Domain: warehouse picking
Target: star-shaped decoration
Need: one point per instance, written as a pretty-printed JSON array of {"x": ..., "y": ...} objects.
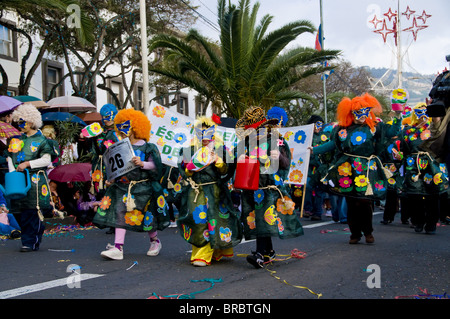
[
  {"x": 390, "y": 14},
  {"x": 375, "y": 21},
  {"x": 415, "y": 28},
  {"x": 408, "y": 13},
  {"x": 424, "y": 17},
  {"x": 384, "y": 31}
]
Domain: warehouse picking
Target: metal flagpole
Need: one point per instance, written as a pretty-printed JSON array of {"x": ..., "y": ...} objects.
[
  {"x": 144, "y": 53},
  {"x": 324, "y": 78},
  {"x": 399, "y": 50}
]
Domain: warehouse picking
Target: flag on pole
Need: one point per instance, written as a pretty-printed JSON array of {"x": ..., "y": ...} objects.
[
  {"x": 327, "y": 73},
  {"x": 319, "y": 39}
]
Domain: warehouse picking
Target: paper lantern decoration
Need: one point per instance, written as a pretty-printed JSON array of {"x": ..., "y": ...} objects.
[{"x": 399, "y": 97}]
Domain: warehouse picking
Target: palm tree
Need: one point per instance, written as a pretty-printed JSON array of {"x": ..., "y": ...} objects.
[{"x": 248, "y": 67}]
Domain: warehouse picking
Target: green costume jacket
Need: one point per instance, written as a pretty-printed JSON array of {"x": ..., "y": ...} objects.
[
  {"x": 24, "y": 149},
  {"x": 269, "y": 211},
  {"x": 423, "y": 174},
  {"x": 356, "y": 170},
  {"x": 136, "y": 201},
  {"x": 207, "y": 214}
]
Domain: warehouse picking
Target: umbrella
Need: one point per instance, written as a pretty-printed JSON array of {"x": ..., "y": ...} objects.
[
  {"x": 75, "y": 172},
  {"x": 62, "y": 116},
  {"x": 7, "y": 130},
  {"x": 70, "y": 104},
  {"x": 38, "y": 103},
  {"x": 8, "y": 103},
  {"x": 91, "y": 117}
]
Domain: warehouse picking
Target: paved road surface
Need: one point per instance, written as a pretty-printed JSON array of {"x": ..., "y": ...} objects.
[{"x": 407, "y": 262}]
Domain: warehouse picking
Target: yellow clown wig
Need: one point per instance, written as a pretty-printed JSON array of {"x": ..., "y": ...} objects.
[
  {"x": 346, "y": 106},
  {"x": 413, "y": 119},
  {"x": 206, "y": 122},
  {"x": 29, "y": 113},
  {"x": 140, "y": 124}
]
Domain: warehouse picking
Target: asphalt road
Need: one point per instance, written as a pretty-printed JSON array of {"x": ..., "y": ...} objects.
[{"x": 404, "y": 264}]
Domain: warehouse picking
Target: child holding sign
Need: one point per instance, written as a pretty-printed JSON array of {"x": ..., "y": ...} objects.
[{"x": 135, "y": 200}]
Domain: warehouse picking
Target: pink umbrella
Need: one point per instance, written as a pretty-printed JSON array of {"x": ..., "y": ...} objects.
[
  {"x": 75, "y": 172},
  {"x": 70, "y": 104}
]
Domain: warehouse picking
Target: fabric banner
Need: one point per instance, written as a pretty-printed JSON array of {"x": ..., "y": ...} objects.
[{"x": 171, "y": 131}]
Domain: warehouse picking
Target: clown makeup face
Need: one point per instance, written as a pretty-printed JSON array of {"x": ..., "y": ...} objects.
[
  {"x": 318, "y": 126},
  {"x": 205, "y": 134},
  {"x": 421, "y": 114},
  {"x": 124, "y": 128},
  {"x": 22, "y": 124},
  {"x": 108, "y": 119},
  {"x": 361, "y": 115}
]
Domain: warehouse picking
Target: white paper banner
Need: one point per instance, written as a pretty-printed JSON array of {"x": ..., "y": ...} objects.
[{"x": 172, "y": 131}]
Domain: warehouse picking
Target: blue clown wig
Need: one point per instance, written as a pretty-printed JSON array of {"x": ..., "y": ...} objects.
[
  {"x": 108, "y": 108},
  {"x": 279, "y": 114}
]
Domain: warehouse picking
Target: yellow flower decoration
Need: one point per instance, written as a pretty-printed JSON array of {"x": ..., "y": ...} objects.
[
  {"x": 44, "y": 190},
  {"x": 391, "y": 181},
  {"x": 161, "y": 201},
  {"x": 159, "y": 111},
  {"x": 345, "y": 169},
  {"x": 437, "y": 178},
  {"x": 361, "y": 181},
  {"x": 134, "y": 218},
  {"x": 15, "y": 145},
  {"x": 296, "y": 176}
]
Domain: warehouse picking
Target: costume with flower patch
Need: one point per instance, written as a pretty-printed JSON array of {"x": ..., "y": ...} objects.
[
  {"x": 135, "y": 201},
  {"x": 208, "y": 219},
  {"x": 28, "y": 148}
]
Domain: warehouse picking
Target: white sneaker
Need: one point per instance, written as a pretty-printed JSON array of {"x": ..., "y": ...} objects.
[
  {"x": 155, "y": 247},
  {"x": 199, "y": 263},
  {"x": 113, "y": 253},
  {"x": 173, "y": 224}
]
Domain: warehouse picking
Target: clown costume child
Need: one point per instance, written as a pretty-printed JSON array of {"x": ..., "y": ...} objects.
[{"x": 135, "y": 200}]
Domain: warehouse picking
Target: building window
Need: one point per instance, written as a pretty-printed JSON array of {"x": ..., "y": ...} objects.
[
  {"x": 11, "y": 91},
  {"x": 52, "y": 73},
  {"x": 183, "y": 105},
  {"x": 138, "y": 97},
  {"x": 8, "y": 43},
  {"x": 200, "y": 106},
  {"x": 117, "y": 87}
]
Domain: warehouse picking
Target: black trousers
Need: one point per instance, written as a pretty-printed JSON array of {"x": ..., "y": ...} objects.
[
  {"x": 424, "y": 210},
  {"x": 391, "y": 206},
  {"x": 32, "y": 228},
  {"x": 359, "y": 217}
]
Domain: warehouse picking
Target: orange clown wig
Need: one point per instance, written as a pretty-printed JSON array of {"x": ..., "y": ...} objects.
[
  {"x": 347, "y": 106},
  {"x": 140, "y": 124}
]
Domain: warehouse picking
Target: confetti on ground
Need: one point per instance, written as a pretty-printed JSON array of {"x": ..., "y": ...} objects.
[
  {"x": 344, "y": 231},
  {"x": 425, "y": 295},
  {"x": 212, "y": 281},
  {"x": 59, "y": 230}
]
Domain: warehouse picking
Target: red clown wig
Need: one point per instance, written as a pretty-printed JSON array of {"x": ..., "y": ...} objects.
[{"x": 346, "y": 106}]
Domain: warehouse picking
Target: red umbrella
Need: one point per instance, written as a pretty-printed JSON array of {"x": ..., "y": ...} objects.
[
  {"x": 75, "y": 172},
  {"x": 7, "y": 130}
]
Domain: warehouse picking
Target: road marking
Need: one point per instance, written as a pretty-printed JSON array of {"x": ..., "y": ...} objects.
[
  {"x": 329, "y": 222},
  {"x": 42, "y": 286}
]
